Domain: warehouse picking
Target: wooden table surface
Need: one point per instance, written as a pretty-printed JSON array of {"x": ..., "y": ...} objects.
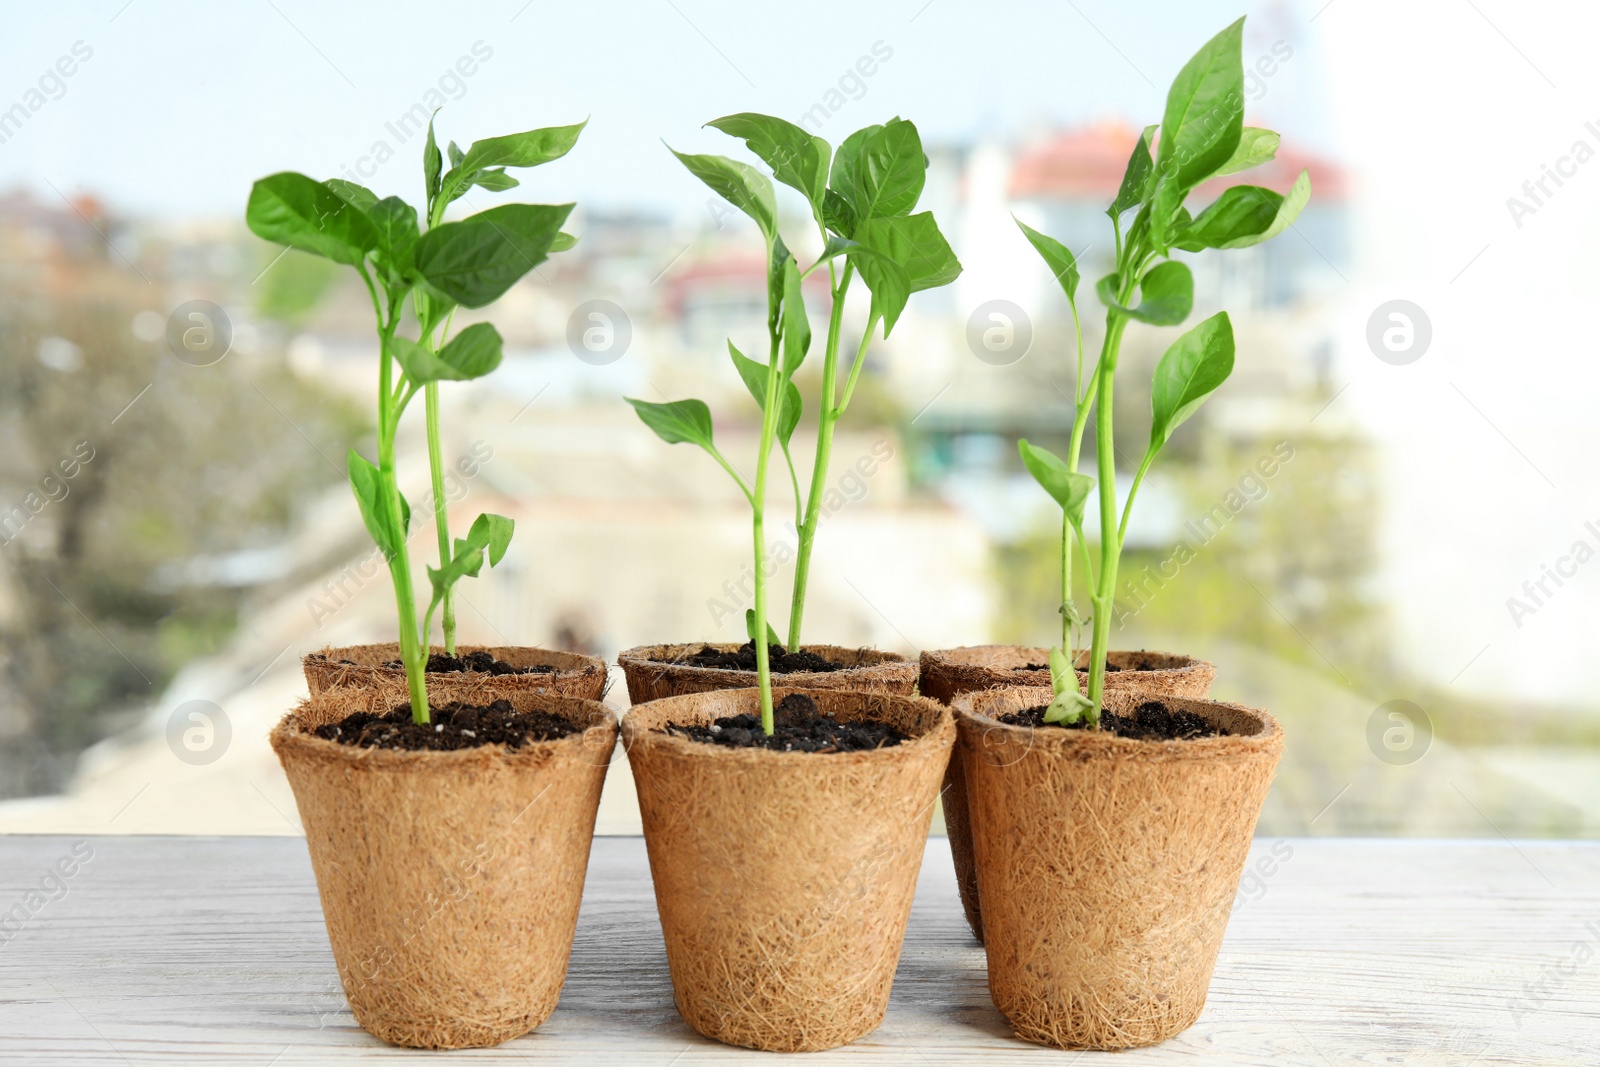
[{"x": 166, "y": 950}]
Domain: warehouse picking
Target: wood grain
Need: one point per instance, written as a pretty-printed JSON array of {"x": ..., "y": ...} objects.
[{"x": 166, "y": 950}]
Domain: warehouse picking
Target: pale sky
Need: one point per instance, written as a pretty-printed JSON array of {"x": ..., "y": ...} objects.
[{"x": 181, "y": 105}]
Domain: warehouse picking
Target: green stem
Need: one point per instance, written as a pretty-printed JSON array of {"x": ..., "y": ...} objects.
[
  {"x": 1110, "y": 542},
  {"x": 441, "y": 516},
  {"x": 1080, "y": 417},
  {"x": 412, "y": 652},
  {"x": 855, "y": 367},
  {"x": 769, "y": 428},
  {"x": 819, "y": 468},
  {"x": 1066, "y": 584},
  {"x": 1133, "y": 491}
]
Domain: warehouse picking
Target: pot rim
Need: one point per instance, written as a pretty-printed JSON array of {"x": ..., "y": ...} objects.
[
  {"x": 568, "y": 663},
  {"x": 1098, "y": 744},
  {"x": 291, "y": 736},
  {"x": 944, "y": 657},
  {"x": 641, "y": 727},
  {"x": 642, "y": 659}
]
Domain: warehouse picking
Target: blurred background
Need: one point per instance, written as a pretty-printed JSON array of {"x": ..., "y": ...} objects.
[{"x": 1381, "y": 528}]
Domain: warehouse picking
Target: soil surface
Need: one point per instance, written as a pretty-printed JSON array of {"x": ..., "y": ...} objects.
[
  {"x": 797, "y": 727},
  {"x": 1142, "y": 665},
  {"x": 454, "y": 726},
  {"x": 744, "y": 659},
  {"x": 1150, "y": 721},
  {"x": 479, "y": 662}
]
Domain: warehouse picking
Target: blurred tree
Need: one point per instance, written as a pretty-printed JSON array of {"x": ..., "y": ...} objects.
[{"x": 119, "y": 463}]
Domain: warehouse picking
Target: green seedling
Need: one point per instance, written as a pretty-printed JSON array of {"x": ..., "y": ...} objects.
[
  {"x": 1201, "y": 136},
  {"x": 862, "y": 207},
  {"x": 439, "y": 266}
]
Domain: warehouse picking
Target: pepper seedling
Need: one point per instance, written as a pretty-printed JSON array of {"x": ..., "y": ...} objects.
[
  {"x": 1201, "y": 136},
  {"x": 467, "y": 263},
  {"x": 862, "y": 206}
]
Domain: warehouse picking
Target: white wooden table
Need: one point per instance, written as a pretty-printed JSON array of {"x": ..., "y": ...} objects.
[{"x": 164, "y": 950}]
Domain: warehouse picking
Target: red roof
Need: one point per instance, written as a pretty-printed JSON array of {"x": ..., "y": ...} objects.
[{"x": 1087, "y": 163}]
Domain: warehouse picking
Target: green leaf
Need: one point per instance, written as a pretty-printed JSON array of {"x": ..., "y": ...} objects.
[
  {"x": 1204, "y": 118},
  {"x": 754, "y": 376},
  {"x": 1166, "y": 214},
  {"x": 292, "y": 209},
  {"x": 1256, "y": 146},
  {"x": 489, "y": 538},
  {"x": 432, "y": 163},
  {"x": 885, "y": 277},
  {"x": 837, "y": 215},
  {"x": 1166, "y": 294},
  {"x": 420, "y": 365},
  {"x": 496, "y": 181},
  {"x": 357, "y": 196},
  {"x": 476, "y": 260},
  {"x": 1066, "y": 487},
  {"x": 796, "y": 323},
  {"x": 1063, "y": 679},
  {"x": 1289, "y": 209},
  {"x": 738, "y": 183},
  {"x": 1069, "y": 704},
  {"x": 528, "y": 149},
  {"x": 1135, "y": 189},
  {"x": 1244, "y": 215},
  {"x": 677, "y": 421},
  {"x": 750, "y": 628},
  {"x": 563, "y": 242},
  {"x": 492, "y": 533},
  {"x": 1241, "y": 211},
  {"x": 455, "y": 155},
  {"x": 798, "y": 159},
  {"x": 908, "y": 255},
  {"x": 473, "y": 352},
  {"x": 1056, "y": 256},
  {"x": 1190, "y": 371},
  {"x": 916, "y": 244},
  {"x": 835, "y": 246},
  {"x": 880, "y": 170},
  {"x": 375, "y": 513},
  {"x": 396, "y": 223},
  {"x": 465, "y": 562}
]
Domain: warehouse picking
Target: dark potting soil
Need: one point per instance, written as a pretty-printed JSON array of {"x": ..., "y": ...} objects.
[
  {"x": 1150, "y": 721},
  {"x": 797, "y": 727},
  {"x": 744, "y": 659},
  {"x": 480, "y": 662},
  {"x": 1142, "y": 665},
  {"x": 453, "y": 726}
]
